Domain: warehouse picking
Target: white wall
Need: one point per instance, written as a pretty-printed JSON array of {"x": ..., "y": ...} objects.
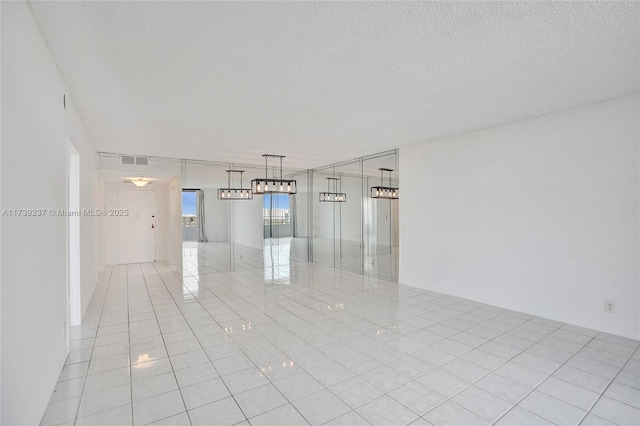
[
  {"x": 302, "y": 207},
  {"x": 174, "y": 253},
  {"x": 323, "y": 213},
  {"x": 348, "y": 212},
  {"x": 216, "y": 212},
  {"x": 247, "y": 224},
  {"x": 101, "y": 223},
  {"x": 395, "y": 224},
  {"x": 383, "y": 214},
  {"x": 1, "y": 204},
  {"x": 539, "y": 216},
  {"x": 387, "y": 222},
  {"x": 162, "y": 220},
  {"x": 351, "y": 214},
  {"x": 34, "y": 260},
  {"x": 387, "y": 217}
]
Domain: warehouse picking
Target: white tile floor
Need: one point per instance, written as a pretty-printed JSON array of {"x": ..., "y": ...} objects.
[
  {"x": 375, "y": 260},
  {"x": 295, "y": 343}
]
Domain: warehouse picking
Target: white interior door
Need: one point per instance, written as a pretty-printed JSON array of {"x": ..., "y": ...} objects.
[{"x": 137, "y": 230}]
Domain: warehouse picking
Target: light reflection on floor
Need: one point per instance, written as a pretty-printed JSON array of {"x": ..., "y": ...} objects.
[
  {"x": 235, "y": 259},
  {"x": 278, "y": 256},
  {"x": 225, "y": 341}
]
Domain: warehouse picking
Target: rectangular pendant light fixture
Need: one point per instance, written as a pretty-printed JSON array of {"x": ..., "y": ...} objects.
[
  {"x": 385, "y": 192},
  {"x": 234, "y": 193},
  {"x": 333, "y": 197},
  {"x": 273, "y": 185}
]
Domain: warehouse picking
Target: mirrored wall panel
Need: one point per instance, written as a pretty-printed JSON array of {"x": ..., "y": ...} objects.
[
  {"x": 355, "y": 215},
  {"x": 380, "y": 239},
  {"x": 300, "y": 217},
  {"x": 343, "y": 215},
  {"x": 225, "y": 223}
]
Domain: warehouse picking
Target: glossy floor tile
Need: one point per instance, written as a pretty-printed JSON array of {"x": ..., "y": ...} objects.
[{"x": 252, "y": 337}]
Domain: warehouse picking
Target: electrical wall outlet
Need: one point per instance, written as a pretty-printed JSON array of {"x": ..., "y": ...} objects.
[{"x": 609, "y": 306}]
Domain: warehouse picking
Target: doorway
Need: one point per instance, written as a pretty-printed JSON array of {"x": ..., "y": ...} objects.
[
  {"x": 74, "y": 313},
  {"x": 136, "y": 226}
]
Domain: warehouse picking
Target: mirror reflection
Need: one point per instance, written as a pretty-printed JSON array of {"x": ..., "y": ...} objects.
[{"x": 331, "y": 220}]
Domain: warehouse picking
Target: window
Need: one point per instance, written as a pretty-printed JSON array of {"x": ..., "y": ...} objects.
[
  {"x": 276, "y": 209},
  {"x": 189, "y": 218}
]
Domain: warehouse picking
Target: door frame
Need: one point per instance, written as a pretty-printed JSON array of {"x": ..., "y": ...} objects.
[{"x": 74, "y": 304}]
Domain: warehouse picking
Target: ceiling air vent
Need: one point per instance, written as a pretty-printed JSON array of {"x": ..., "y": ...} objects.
[
  {"x": 142, "y": 161},
  {"x": 128, "y": 159}
]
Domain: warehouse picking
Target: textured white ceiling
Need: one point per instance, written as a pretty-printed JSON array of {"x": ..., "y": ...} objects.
[{"x": 328, "y": 81}]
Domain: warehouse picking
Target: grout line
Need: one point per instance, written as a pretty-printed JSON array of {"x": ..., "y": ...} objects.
[
  {"x": 84, "y": 384},
  {"x": 608, "y": 386},
  {"x": 146, "y": 286},
  {"x": 356, "y": 375},
  {"x": 198, "y": 340},
  {"x": 129, "y": 348},
  {"x": 450, "y": 398},
  {"x": 302, "y": 368},
  {"x": 305, "y": 297},
  {"x": 549, "y": 333},
  {"x": 542, "y": 381},
  {"x": 381, "y": 343},
  {"x": 240, "y": 348}
]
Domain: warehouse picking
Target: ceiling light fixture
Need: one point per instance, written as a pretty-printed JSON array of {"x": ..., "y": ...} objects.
[
  {"x": 273, "y": 185},
  {"x": 333, "y": 197},
  {"x": 139, "y": 182},
  {"x": 229, "y": 193},
  {"x": 387, "y": 192}
]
